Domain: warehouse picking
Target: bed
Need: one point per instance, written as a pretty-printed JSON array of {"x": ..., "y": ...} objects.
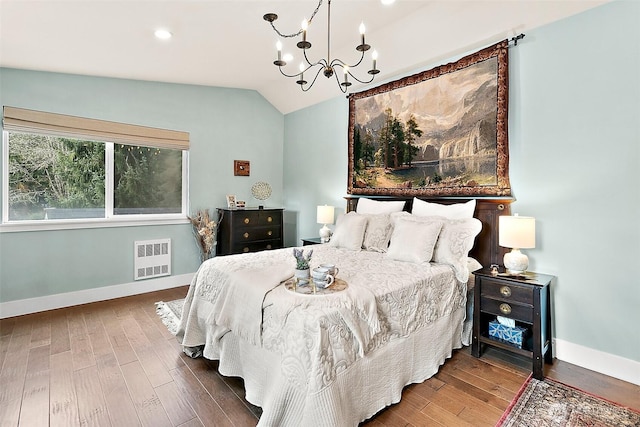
[{"x": 337, "y": 359}]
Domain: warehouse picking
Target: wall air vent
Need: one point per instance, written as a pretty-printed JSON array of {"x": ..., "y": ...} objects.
[{"x": 152, "y": 258}]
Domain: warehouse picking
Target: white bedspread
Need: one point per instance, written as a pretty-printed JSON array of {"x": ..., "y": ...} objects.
[
  {"x": 238, "y": 306},
  {"x": 316, "y": 351}
]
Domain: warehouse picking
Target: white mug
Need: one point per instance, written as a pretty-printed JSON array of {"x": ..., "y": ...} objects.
[
  {"x": 321, "y": 277},
  {"x": 331, "y": 269}
]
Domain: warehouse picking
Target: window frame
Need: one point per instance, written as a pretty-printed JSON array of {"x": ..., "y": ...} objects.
[{"x": 110, "y": 219}]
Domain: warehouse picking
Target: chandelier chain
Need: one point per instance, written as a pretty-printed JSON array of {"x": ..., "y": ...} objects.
[{"x": 299, "y": 31}]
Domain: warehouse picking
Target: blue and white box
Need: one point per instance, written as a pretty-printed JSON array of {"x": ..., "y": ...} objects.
[{"x": 513, "y": 335}]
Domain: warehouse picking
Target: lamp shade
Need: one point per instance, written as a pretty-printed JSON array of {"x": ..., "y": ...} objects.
[
  {"x": 517, "y": 232},
  {"x": 325, "y": 214}
]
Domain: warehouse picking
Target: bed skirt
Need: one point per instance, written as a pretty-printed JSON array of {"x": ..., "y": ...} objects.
[{"x": 359, "y": 392}]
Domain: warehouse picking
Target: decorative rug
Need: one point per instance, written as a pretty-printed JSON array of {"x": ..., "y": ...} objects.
[
  {"x": 550, "y": 403},
  {"x": 170, "y": 313}
]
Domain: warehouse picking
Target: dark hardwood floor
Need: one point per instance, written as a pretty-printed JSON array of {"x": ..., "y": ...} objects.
[{"x": 114, "y": 363}]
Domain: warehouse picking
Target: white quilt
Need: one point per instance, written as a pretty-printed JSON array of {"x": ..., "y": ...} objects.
[{"x": 331, "y": 359}]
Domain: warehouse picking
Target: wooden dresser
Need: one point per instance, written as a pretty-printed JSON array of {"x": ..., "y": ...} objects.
[{"x": 249, "y": 230}]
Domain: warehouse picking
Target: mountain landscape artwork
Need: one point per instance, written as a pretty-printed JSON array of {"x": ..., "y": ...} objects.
[{"x": 439, "y": 132}]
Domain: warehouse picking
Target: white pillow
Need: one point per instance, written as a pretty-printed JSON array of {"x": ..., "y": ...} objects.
[
  {"x": 454, "y": 211},
  {"x": 413, "y": 241},
  {"x": 377, "y": 233},
  {"x": 455, "y": 240},
  {"x": 370, "y": 206},
  {"x": 349, "y": 231}
]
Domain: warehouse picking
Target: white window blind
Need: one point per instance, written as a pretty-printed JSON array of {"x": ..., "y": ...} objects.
[{"x": 32, "y": 121}]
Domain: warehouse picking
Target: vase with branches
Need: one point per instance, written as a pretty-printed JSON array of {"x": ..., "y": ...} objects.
[{"x": 205, "y": 230}]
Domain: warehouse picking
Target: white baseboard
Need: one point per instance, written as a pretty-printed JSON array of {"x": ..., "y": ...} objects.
[
  {"x": 599, "y": 361},
  {"x": 52, "y": 302}
]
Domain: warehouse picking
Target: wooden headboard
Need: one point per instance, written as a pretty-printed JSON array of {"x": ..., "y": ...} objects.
[{"x": 486, "y": 249}]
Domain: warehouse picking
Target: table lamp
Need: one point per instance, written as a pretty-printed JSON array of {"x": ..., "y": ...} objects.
[
  {"x": 516, "y": 232},
  {"x": 325, "y": 216}
]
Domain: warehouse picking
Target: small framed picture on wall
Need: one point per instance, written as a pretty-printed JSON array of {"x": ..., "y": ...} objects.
[{"x": 231, "y": 201}]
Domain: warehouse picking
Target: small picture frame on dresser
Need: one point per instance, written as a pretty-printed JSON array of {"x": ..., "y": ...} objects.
[{"x": 231, "y": 201}]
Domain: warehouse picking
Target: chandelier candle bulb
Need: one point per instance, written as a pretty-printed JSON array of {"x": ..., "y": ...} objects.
[
  {"x": 302, "y": 80},
  {"x": 279, "y": 62},
  {"x": 362, "y": 29},
  {"x": 305, "y": 25}
]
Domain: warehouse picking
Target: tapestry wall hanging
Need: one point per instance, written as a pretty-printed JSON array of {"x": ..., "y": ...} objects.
[{"x": 441, "y": 132}]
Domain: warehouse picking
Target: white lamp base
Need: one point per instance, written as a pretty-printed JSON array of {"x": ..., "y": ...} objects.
[
  {"x": 325, "y": 234},
  {"x": 515, "y": 261}
]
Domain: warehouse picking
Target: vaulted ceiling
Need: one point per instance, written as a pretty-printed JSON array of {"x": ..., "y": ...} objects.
[{"x": 228, "y": 44}]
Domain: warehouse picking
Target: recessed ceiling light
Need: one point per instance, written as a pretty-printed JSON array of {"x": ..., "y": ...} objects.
[
  {"x": 163, "y": 34},
  {"x": 386, "y": 2}
]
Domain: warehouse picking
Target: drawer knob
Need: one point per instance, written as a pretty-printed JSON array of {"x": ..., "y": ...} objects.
[
  {"x": 269, "y": 219},
  {"x": 246, "y": 235},
  {"x": 269, "y": 233},
  {"x": 246, "y": 220},
  {"x": 268, "y": 246},
  {"x": 245, "y": 249},
  {"x": 505, "y": 308},
  {"x": 505, "y": 291}
]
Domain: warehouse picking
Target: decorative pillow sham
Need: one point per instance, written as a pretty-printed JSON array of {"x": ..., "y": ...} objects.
[
  {"x": 349, "y": 232},
  {"x": 370, "y": 206},
  {"x": 454, "y": 211},
  {"x": 377, "y": 233},
  {"x": 455, "y": 240},
  {"x": 413, "y": 241}
]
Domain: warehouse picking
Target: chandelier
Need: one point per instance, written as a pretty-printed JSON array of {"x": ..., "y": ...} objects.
[{"x": 329, "y": 67}]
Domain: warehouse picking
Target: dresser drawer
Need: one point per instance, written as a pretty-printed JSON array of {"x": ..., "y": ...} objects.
[
  {"x": 241, "y": 248},
  {"x": 521, "y": 312},
  {"x": 507, "y": 291},
  {"x": 250, "y": 234},
  {"x": 249, "y": 219}
]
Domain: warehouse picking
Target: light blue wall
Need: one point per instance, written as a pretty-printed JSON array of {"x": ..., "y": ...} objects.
[
  {"x": 315, "y": 156},
  {"x": 574, "y": 140},
  {"x": 224, "y": 124}
]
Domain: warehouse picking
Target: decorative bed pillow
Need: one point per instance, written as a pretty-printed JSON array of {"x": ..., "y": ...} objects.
[
  {"x": 377, "y": 233},
  {"x": 370, "y": 206},
  {"x": 455, "y": 240},
  {"x": 349, "y": 232},
  {"x": 454, "y": 211},
  {"x": 413, "y": 241},
  {"x": 454, "y": 243}
]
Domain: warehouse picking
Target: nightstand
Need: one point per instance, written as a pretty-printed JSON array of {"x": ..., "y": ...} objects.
[
  {"x": 525, "y": 299},
  {"x": 311, "y": 241}
]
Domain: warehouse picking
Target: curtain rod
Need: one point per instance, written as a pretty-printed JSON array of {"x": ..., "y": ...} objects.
[{"x": 515, "y": 39}]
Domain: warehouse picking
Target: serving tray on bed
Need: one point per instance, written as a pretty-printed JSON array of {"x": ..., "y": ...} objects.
[{"x": 337, "y": 286}]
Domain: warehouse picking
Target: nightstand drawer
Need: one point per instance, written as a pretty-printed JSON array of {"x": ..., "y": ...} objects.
[
  {"x": 519, "y": 312},
  {"x": 507, "y": 291}
]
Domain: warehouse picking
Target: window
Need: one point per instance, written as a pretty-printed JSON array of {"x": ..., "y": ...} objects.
[{"x": 65, "y": 175}]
